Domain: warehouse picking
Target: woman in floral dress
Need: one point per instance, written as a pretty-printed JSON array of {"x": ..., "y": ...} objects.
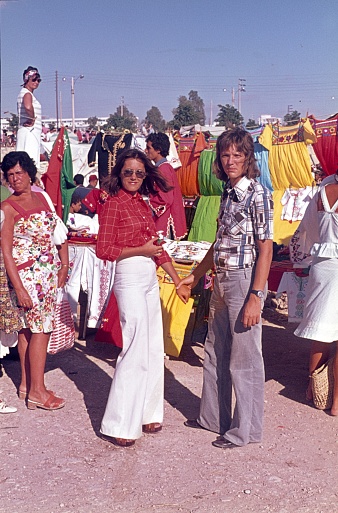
[{"x": 35, "y": 267}]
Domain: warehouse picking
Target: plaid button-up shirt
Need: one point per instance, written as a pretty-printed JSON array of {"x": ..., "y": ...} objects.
[
  {"x": 125, "y": 221},
  {"x": 246, "y": 215}
]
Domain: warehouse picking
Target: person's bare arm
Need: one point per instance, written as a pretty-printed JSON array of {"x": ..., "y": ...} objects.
[
  {"x": 203, "y": 267},
  {"x": 184, "y": 292},
  {"x": 63, "y": 271},
  {"x": 28, "y": 104},
  {"x": 253, "y": 307}
]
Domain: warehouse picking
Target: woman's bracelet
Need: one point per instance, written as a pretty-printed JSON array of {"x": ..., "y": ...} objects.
[{"x": 64, "y": 265}]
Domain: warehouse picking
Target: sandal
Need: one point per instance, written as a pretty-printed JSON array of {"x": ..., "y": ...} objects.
[
  {"x": 23, "y": 394},
  {"x": 120, "y": 442},
  {"x": 52, "y": 403},
  {"x": 154, "y": 427}
]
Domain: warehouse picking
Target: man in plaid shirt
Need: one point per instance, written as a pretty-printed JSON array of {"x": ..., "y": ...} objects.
[{"x": 241, "y": 256}]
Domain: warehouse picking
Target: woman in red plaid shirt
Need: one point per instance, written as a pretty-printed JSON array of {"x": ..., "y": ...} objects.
[{"x": 127, "y": 235}]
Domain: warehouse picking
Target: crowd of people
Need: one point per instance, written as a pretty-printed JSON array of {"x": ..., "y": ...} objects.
[{"x": 142, "y": 204}]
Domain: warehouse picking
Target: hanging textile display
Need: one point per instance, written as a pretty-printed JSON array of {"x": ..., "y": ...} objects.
[
  {"x": 189, "y": 151},
  {"x": 108, "y": 147},
  {"x": 295, "y": 202},
  {"x": 326, "y": 147},
  {"x": 204, "y": 225},
  {"x": 175, "y": 313},
  {"x": 262, "y": 158},
  {"x": 295, "y": 288},
  {"x": 58, "y": 180},
  {"x": 289, "y": 165}
]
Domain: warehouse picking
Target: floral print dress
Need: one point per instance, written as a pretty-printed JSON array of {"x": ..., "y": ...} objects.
[{"x": 37, "y": 261}]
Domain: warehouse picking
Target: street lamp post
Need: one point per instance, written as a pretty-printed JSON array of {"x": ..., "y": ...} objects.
[
  {"x": 240, "y": 89},
  {"x": 72, "y": 92},
  {"x": 73, "y": 99}
]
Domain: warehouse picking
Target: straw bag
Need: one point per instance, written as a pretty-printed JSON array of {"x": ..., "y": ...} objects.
[
  {"x": 322, "y": 386},
  {"x": 63, "y": 334}
]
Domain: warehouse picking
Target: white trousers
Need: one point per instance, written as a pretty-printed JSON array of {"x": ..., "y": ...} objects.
[
  {"x": 28, "y": 139},
  {"x": 137, "y": 391}
]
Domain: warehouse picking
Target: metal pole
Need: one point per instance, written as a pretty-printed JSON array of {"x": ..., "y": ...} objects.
[
  {"x": 57, "y": 98},
  {"x": 73, "y": 104},
  {"x": 241, "y": 88},
  {"x": 60, "y": 108}
]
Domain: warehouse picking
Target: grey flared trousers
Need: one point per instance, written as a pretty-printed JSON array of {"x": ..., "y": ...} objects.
[{"x": 233, "y": 359}]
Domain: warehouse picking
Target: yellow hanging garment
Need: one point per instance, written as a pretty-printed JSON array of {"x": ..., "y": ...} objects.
[
  {"x": 175, "y": 313},
  {"x": 289, "y": 164}
]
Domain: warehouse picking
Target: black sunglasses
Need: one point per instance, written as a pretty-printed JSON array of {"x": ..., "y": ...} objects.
[
  {"x": 130, "y": 172},
  {"x": 36, "y": 79}
]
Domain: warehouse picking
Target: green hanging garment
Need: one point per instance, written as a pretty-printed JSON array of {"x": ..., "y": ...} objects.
[{"x": 204, "y": 225}]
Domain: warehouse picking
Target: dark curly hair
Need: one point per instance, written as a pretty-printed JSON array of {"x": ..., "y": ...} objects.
[
  {"x": 243, "y": 143},
  {"x": 160, "y": 141},
  {"x": 30, "y": 68},
  {"x": 19, "y": 157},
  {"x": 152, "y": 182}
]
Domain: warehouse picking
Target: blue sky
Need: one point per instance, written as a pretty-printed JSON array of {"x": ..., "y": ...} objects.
[{"x": 151, "y": 51}]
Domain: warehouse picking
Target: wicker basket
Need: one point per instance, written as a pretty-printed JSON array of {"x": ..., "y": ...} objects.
[
  {"x": 322, "y": 386},
  {"x": 63, "y": 334}
]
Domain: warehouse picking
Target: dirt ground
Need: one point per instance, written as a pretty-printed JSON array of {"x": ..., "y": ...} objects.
[{"x": 55, "y": 462}]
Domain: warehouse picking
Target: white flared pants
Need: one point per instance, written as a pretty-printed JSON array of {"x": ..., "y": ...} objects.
[
  {"x": 28, "y": 139},
  {"x": 137, "y": 390}
]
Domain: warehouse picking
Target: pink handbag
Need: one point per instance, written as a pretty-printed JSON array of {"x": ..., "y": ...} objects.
[{"x": 63, "y": 334}]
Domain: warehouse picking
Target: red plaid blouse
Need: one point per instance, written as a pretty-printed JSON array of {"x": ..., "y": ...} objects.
[{"x": 125, "y": 221}]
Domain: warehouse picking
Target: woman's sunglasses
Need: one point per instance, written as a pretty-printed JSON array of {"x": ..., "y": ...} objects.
[
  {"x": 139, "y": 173},
  {"x": 36, "y": 79}
]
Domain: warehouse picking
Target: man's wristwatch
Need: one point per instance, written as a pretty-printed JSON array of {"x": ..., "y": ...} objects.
[{"x": 258, "y": 293}]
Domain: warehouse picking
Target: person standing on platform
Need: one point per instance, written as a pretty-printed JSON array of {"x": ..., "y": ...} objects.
[
  {"x": 29, "y": 114},
  {"x": 168, "y": 208},
  {"x": 241, "y": 256}
]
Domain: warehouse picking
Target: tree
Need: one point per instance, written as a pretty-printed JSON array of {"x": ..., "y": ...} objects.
[
  {"x": 126, "y": 121},
  {"x": 93, "y": 123},
  {"x": 184, "y": 114},
  {"x": 198, "y": 106},
  {"x": 228, "y": 116},
  {"x": 251, "y": 123},
  {"x": 13, "y": 122},
  {"x": 155, "y": 118},
  {"x": 292, "y": 117}
]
